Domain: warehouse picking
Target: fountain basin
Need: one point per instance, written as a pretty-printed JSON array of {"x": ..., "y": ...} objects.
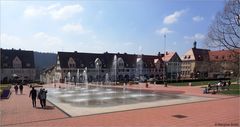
[{"x": 90, "y": 101}]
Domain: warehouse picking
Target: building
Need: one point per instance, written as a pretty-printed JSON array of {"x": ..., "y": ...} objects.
[
  {"x": 117, "y": 67},
  {"x": 17, "y": 65},
  {"x": 195, "y": 63},
  {"x": 224, "y": 63},
  {"x": 173, "y": 65}
]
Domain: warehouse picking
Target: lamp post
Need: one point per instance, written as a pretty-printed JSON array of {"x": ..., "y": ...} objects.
[{"x": 164, "y": 66}]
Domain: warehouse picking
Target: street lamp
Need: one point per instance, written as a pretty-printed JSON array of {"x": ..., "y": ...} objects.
[{"x": 164, "y": 66}]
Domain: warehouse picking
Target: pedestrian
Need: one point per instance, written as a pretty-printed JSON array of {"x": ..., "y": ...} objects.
[
  {"x": 33, "y": 94},
  {"x": 229, "y": 83},
  {"x": 16, "y": 89},
  {"x": 146, "y": 85},
  {"x": 40, "y": 97},
  {"x": 21, "y": 88},
  {"x": 44, "y": 97}
]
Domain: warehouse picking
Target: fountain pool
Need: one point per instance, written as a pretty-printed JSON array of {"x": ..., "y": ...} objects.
[{"x": 79, "y": 101}]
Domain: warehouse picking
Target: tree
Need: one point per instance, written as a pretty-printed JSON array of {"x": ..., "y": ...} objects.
[{"x": 225, "y": 29}]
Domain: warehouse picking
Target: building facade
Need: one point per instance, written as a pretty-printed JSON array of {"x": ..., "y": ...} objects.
[
  {"x": 117, "y": 67},
  {"x": 17, "y": 65},
  {"x": 195, "y": 63},
  {"x": 173, "y": 65},
  {"x": 224, "y": 63}
]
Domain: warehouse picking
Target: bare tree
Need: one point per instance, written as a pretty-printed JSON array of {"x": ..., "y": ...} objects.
[{"x": 225, "y": 29}]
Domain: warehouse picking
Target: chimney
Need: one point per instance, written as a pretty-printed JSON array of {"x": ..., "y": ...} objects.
[
  {"x": 166, "y": 53},
  {"x": 194, "y": 44}
]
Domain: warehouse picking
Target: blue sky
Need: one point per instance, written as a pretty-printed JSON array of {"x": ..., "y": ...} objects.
[{"x": 104, "y": 25}]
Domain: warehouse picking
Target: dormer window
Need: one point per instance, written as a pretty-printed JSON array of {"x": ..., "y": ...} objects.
[
  {"x": 98, "y": 63},
  {"x": 28, "y": 65},
  {"x": 82, "y": 65},
  {"x": 17, "y": 63},
  {"x": 120, "y": 63},
  {"x": 71, "y": 63},
  {"x": 189, "y": 57}
]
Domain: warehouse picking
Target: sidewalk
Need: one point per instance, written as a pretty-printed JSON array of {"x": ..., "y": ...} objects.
[{"x": 224, "y": 110}]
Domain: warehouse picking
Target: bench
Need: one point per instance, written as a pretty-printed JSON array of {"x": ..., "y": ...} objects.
[
  {"x": 5, "y": 94},
  {"x": 215, "y": 88}
]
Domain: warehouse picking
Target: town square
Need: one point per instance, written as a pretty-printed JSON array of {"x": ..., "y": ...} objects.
[{"x": 120, "y": 63}]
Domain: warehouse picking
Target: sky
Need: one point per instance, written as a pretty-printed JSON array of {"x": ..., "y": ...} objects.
[{"x": 97, "y": 26}]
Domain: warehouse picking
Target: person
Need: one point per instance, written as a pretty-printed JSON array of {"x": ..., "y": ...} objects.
[
  {"x": 33, "y": 94},
  {"x": 21, "y": 88},
  {"x": 40, "y": 97},
  {"x": 44, "y": 97},
  {"x": 219, "y": 84},
  {"x": 229, "y": 83},
  {"x": 16, "y": 89},
  {"x": 146, "y": 85}
]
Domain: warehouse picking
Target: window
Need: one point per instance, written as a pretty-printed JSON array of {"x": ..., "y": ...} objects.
[
  {"x": 216, "y": 57},
  {"x": 120, "y": 62},
  {"x": 82, "y": 65},
  {"x": 17, "y": 63},
  {"x": 5, "y": 65},
  {"x": 71, "y": 63},
  {"x": 28, "y": 65}
]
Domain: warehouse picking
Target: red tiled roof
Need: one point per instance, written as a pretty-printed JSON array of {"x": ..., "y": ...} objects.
[
  {"x": 224, "y": 55},
  {"x": 167, "y": 56}
]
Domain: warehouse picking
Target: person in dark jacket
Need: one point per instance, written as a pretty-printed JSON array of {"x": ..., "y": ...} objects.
[
  {"x": 44, "y": 97},
  {"x": 21, "y": 88},
  {"x": 40, "y": 97},
  {"x": 33, "y": 94},
  {"x": 16, "y": 89}
]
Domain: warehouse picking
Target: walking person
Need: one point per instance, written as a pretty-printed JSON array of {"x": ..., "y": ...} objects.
[
  {"x": 21, "y": 88},
  {"x": 33, "y": 94},
  {"x": 40, "y": 97},
  {"x": 44, "y": 97},
  {"x": 16, "y": 89}
]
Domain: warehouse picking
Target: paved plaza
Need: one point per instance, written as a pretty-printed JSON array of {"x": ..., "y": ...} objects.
[{"x": 218, "y": 110}]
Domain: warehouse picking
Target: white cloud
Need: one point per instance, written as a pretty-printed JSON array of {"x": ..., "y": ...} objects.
[
  {"x": 45, "y": 38},
  {"x": 55, "y": 11},
  {"x": 163, "y": 31},
  {"x": 10, "y": 41},
  {"x": 33, "y": 11},
  {"x": 172, "y": 18},
  {"x": 196, "y": 37},
  {"x": 66, "y": 11},
  {"x": 38, "y": 42},
  {"x": 78, "y": 28},
  {"x": 197, "y": 18}
]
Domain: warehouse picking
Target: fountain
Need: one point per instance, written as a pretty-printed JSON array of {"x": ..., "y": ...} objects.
[
  {"x": 139, "y": 68},
  {"x": 65, "y": 81},
  {"x": 69, "y": 78},
  {"x": 114, "y": 69},
  {"x": 107, "y": 79},
  {"x": 85, "y": 77},
  {"x": 78, "y": 75}
]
